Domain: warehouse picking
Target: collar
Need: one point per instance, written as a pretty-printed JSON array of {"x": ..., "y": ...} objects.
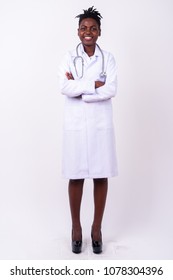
[{"x": 96, "y": 53}]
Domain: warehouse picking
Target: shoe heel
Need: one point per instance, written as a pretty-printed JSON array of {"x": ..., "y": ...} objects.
[{"x": 97, "y": 245}]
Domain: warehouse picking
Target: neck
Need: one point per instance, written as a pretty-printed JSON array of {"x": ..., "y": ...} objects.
[{"x": 89, "y": 49}]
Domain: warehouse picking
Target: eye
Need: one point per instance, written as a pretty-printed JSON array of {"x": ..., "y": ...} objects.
[
  {"x": 93, "y": 29},
  {"x": 82, "y": 28}
]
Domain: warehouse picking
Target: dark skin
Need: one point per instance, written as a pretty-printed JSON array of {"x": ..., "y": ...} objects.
[{"x": 88, "y": 33}]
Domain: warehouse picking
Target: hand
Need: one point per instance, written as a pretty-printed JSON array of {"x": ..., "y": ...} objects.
[
  {"x": 69, "y": 76},
  {"x": 99, "y": 84}
]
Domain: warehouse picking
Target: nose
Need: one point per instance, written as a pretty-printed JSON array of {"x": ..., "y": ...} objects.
[{"x": 88, "y": 31}]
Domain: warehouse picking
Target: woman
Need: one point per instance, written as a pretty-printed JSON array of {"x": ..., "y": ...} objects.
[{"x": 88, "y": 81}]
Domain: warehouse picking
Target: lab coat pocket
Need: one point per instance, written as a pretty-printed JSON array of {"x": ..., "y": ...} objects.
[
  {"x": 74, "y": 119},
  {"x": 104, "y": 118}
]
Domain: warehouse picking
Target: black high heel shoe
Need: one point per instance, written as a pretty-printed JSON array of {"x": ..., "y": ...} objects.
[
  {"x": 76, "y": 245},
  {"x": 97, "y": 245}
]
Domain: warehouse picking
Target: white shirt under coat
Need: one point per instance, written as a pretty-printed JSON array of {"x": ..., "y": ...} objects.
[{"x": 88, "y": 130}]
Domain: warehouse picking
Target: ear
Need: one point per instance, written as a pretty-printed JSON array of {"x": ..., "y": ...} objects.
[
  {"x": 78, "y": 32},
  {"x": 100, "y": 32}
]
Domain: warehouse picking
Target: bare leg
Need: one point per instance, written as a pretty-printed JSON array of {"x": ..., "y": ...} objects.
[
  {"x": 75, "y": 197},
  {"x": 100, "y": 194}
]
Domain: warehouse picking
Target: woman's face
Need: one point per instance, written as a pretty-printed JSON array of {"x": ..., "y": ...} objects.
[{"x": 88, "y": 31}]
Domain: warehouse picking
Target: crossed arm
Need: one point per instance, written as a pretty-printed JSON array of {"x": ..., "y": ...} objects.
[{"x": 97, "y": 83}]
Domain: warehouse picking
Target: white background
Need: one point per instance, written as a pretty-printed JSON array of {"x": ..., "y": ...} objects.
[{"x": 34, "y": 212}]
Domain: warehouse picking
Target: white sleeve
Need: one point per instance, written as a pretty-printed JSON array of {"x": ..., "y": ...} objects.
[
  {"x": 109, "y": 89},
  {"x": 73, "y": 88}
]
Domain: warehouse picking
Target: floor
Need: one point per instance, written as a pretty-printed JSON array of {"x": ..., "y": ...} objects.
[{"x": 139, "y": 244}]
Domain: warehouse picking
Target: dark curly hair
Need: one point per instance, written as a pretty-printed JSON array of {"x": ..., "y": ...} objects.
[{"x": 90, "y": 13}]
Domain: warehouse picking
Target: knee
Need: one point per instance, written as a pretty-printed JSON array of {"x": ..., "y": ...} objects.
[
  {"x": 76, "y": 182},
  {"x": 100, "y": 180}
]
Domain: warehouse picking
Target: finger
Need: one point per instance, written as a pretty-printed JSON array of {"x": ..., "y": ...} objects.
[{"x": 68, "y": 76}]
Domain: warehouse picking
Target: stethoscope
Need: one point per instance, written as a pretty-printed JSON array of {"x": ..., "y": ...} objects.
[{"x": 78, "y": 57}]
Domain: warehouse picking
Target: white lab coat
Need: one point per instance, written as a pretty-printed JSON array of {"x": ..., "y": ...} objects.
[{"x": 88, "y": 131}]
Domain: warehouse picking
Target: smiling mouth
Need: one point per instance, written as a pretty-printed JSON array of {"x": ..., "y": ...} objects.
[{"x": 88, "y": 38}]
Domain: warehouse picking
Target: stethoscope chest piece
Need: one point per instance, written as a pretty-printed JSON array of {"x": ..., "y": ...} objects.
[{"x": 103, "y": 75}]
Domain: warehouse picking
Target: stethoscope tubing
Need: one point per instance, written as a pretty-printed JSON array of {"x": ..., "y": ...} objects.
[{"x": 102, "y": 74}]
